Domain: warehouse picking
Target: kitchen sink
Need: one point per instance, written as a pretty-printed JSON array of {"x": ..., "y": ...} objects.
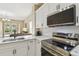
[
  {"x": 7, "y": 40},
  {"x": 19, "y": 38}
]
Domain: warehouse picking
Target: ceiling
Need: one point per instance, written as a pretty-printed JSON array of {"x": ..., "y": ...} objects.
[{"x": 15, "y": 10}]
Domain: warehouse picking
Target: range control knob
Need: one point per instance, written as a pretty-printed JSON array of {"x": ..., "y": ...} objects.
[
  {"x": 70, "y": 35},
  {"x": 76, "y": 36}
]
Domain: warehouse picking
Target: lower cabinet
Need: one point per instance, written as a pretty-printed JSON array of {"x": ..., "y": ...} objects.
[
  {"x": 38, "y": 48},
  {"x": 6, "y": 52},
  {"x": 21, "y": 49},
  {"x": 29, "y": 47},
  {"x": 14, "y": 49},
  {"x": 34, "y": 47}
]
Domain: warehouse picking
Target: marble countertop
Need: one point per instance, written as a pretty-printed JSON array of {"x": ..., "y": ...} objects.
[{"x": 28, "y": 37}]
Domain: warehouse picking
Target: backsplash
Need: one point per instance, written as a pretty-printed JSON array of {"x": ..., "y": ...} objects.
[{"x": 64, "y": 29}]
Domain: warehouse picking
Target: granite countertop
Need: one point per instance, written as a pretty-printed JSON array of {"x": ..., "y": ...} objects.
[{"x": 29, "y": 37}]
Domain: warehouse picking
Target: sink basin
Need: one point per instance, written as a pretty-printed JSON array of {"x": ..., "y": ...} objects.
[
  {"x": 7, "y": 40},
  {"x": 20, "y": 38}
]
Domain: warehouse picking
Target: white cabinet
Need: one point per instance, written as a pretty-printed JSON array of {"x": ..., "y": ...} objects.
[
  {"x": 7, "y": 49},
  {"x": 21, "y": 48},
  {"x": 31, "y": 48},
  {"x": 6, "y": 52},
  {"x": 41, "y": 16},
  {"x": 38, "y": 48},
  {"x": 52, "y": 7},
  {"x": 14, "y": 49},
  {"x": 64, "y": 5},
  {"x": 21, "y": 51},
  {"x": 44, "y": 15}
]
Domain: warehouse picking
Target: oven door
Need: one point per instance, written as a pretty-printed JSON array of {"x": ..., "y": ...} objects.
[
  {"x": 48, "y": 52},
  {"x": 53, "y": 50},
  {"x": 45, "y": 52}
]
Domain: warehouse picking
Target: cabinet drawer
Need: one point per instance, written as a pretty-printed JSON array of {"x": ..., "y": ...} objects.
[{"x": 6, "y": 51}]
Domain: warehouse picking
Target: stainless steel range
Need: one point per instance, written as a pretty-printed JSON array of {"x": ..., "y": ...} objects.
[{"x": 60, "y": 44}]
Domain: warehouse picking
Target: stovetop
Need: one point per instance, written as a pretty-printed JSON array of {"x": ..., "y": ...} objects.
[{"x": 60, "y": 45}]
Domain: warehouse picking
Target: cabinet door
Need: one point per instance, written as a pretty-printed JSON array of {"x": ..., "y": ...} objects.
[
  {"x": 44, "y": 15},
  {"x": 39, "y": 17},
  {"x": 6, "y": 52},
  {"x": 21, "y": 48},
  {"x": 31, "y": 48},
  {"x": 38, "y": 48},
  {"x": 21, "y": 51},
  {"x": 64, "y": 5},
  {"x": 52, "y": 7}
]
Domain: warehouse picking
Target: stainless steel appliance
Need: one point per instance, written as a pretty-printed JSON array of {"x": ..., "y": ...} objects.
[
  {"x": 66, "y": 17},
  {"x": 60, "y": 44}
]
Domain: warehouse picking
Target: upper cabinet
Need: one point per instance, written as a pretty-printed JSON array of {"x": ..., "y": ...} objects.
[
  {"x": 39, "y": 20},
  {"x": 41, "y": 16},
  {"x": 52, "y": 8},
  {"x": 64, "y": 5}
]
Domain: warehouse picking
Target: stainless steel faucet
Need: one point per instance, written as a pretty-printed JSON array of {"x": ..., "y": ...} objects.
[{"x": 15, "y": 34}]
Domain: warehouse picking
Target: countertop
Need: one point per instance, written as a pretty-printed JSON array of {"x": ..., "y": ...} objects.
[
  {"x": 19, "y": 34},
  {"x": 27, "y": 37}
]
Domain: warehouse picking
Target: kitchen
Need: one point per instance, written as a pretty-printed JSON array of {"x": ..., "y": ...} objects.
[{"x": 28, "y": 29}]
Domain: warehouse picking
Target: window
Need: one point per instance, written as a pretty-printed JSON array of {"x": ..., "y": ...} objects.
[
  {"x": 9, "y": 28},
  {"x": 30, "y": 27}
]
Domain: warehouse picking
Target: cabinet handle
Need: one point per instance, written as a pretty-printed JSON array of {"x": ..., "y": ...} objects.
[
  {"x": 77, "y": 19},
  {"x": 28, "y": 47},
  {"x": 31, "y": 41},
  {"x": 14, "y": 51}
]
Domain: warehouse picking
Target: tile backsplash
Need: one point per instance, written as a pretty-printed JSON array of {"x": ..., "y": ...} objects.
[{"x": 66, "y": 29}]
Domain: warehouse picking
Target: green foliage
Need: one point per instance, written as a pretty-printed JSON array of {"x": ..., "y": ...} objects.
[{"x": 7, "y": 30}]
